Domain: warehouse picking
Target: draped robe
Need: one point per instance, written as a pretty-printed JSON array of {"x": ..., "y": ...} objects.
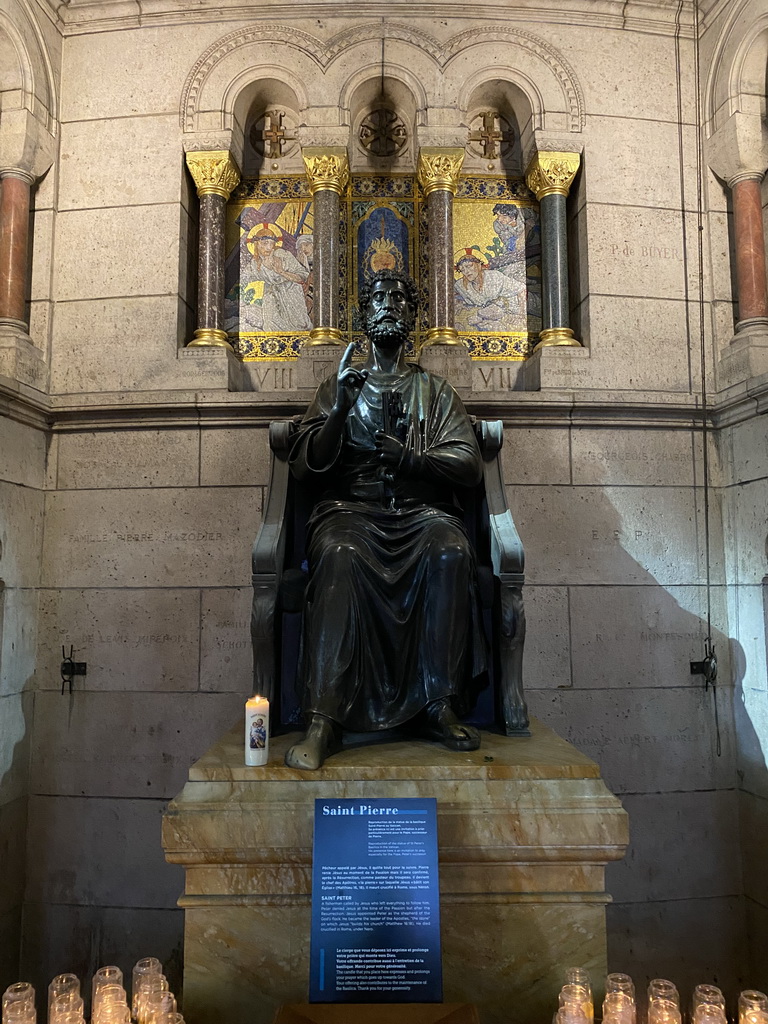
[{"x": 392, "y": 618}]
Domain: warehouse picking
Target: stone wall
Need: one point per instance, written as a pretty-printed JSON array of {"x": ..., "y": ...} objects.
[
  {"x": 151, "y": 493},
  {"x": 147, "y": 574}
]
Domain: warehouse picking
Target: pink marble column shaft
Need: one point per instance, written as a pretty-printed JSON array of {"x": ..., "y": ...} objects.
[
  {"x": 14, "y": 241},
  {"x": 750, "y": 249}
]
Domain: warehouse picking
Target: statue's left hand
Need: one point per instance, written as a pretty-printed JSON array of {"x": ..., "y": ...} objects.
[{"x": 390, "y": 450}]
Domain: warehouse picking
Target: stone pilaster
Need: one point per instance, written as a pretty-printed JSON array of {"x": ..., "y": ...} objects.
[
  {"x": 438, "y": 173},
  {"x": 215, "y": 174},
  {"x": 327, "y": 168},
  {"x": 549, "y": 177}
]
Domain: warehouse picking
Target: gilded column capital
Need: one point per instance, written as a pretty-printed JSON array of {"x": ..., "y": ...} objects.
[
  {"x": 214, "y": 172},
  {"x": 551, "y": 173},
  {"x": 439, "y": 168},
  {"x": 327, "y": 168}
]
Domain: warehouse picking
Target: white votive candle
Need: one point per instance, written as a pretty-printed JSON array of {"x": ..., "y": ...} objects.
[{"x": 256, "y": 731}]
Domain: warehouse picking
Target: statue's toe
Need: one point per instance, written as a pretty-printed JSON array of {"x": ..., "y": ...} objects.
[
  {"x": 461, "y": 737},
  {"x": 443, "y": 725},
  {"x": 320, "y": 741},
  {"x": 305, "y": 755}
]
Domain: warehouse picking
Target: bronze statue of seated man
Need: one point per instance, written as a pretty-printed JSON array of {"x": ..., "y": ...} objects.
[{"x": 391, "y": 630}]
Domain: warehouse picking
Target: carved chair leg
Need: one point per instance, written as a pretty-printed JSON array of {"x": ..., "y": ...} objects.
[{"x": 512, "y": 640}]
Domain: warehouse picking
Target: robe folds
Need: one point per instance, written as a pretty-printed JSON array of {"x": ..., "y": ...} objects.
[{"x": 392, "y": 617}]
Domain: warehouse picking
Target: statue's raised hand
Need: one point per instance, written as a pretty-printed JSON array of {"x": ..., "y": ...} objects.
[{"x": 349, "y": 382}]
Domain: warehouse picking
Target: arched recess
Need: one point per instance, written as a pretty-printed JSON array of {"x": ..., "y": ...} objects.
[
  {"x": 373, "y": 97},
  {"x": 250, "y": 101},
  {"x": 518, "y": 102}
]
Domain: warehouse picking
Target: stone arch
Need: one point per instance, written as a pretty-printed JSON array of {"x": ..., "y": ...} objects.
[
  {"x": 736, "y": 82},
  {"x": 28, "y": 84},
  {"x": 245, "y": 55},
  {"x": 558, "y": 90},
  {"x": 542, "y": 75}
]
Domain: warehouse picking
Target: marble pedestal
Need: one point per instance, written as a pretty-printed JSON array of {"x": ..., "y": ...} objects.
[{"x": 526, "y": 827}]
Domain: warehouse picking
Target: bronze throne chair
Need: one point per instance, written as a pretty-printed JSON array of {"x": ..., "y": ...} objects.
[{"x": 280, "y": 578}]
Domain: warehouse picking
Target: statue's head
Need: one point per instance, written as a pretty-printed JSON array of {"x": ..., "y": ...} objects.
[{"x": 388, "y": 304}]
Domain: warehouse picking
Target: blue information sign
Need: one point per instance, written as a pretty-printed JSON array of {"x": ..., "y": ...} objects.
[{"x": 375, "y": 903}]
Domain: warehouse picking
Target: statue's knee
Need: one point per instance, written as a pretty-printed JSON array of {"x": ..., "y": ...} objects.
[
  {"x": 342, "y": 554},
  {"x": 453, "y": 554}
]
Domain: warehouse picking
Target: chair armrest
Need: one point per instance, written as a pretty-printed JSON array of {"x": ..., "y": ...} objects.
[
  {"x": 506, "y": 547},
  {"x": 269, "y": 547}
]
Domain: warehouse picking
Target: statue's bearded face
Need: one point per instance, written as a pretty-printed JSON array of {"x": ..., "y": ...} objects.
[{"x": 390, "y": 316}]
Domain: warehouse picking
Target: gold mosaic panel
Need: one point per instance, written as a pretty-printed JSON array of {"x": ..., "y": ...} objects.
[{"x": 269, "y": 265}]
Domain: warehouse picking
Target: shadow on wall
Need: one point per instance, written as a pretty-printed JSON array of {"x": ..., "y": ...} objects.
[
  {"x": 631, "y": 562},
  {"x": 15, "y": 730},
  {"x": 751, "y": 732}
]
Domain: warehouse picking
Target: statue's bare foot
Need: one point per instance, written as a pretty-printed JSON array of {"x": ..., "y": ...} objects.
[
  {"x": 320, "y": 740},
  {"x": 442, "y": 724}
]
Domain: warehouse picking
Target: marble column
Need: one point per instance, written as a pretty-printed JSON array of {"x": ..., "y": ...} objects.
[
  {"x": 750, "y": 250},
  {"x": 215, "y": 174},
  {"x": 14, "y": 244},
  {"x": 328, "y": 172},
  {"x": 549, "y": 177},
  {"x": 438, "y": 172}
]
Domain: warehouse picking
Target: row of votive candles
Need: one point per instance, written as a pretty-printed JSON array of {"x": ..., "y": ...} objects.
[
  {"x": 151, "y": 1000},
  {"x": 620, "y": 1005}
]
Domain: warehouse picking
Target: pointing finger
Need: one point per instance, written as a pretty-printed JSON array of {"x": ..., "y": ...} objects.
[{"x": 346, "y": 359}]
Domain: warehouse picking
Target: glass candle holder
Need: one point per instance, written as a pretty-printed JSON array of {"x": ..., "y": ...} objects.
[
  {"x": 660, "y": 988},
  {"x": 105, "y": 976},
  {"x": 750, "y": 1001},
  {"x": 147, "y": 967},
  {"x": 620, "y": 983},
  {"x": 619, "y": 1008},
  {"x": 663, "y": 1011}
]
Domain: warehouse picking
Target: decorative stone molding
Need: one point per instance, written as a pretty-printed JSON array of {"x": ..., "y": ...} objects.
[
  {"x": 206, "y": 142},
  {"x": 552, "y": 173},
  {"x": 439, "y": 169},
  {"x": 214, "y": 173},
  {"x": 327, "y": 169}
]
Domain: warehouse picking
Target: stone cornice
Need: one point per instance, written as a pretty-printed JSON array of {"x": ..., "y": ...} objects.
[
  {"x": 656, "y": 17},
  {"x": 25, "y": 405},
  {"x": 148, "y": 410},
  {"x": 116, "y": 410}
]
